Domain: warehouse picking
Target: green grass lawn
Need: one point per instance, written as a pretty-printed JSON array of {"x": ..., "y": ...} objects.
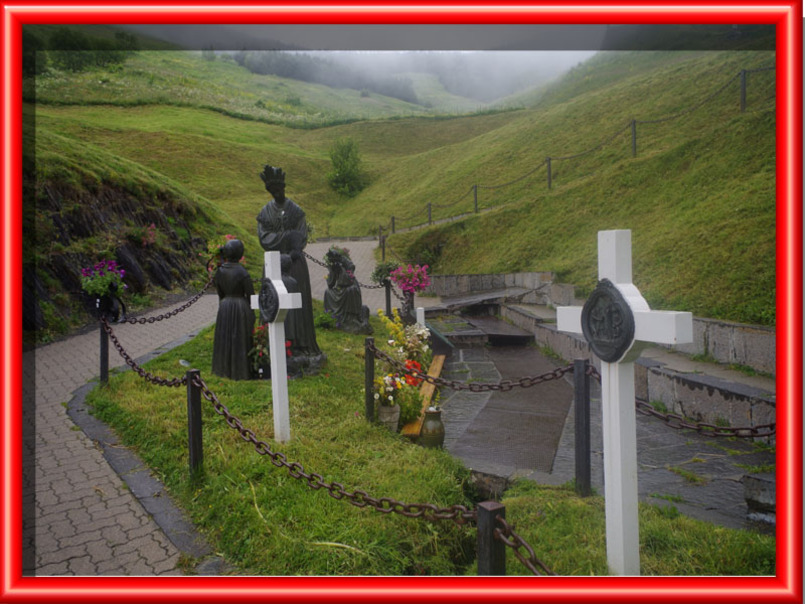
[{"x": 263, "y": 521}]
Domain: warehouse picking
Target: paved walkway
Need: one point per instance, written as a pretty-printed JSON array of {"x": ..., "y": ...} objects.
[{"x": 80, "y": 517}]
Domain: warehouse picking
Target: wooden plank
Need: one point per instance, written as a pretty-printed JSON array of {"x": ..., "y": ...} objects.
[{"x": 427, "y": 389}]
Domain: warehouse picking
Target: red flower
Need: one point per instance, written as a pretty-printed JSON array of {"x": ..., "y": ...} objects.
[
  {"x": 288, "y": 348},
  {"x": 413, "y": 366}
]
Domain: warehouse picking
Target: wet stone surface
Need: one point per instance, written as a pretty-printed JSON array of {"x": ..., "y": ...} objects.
[{"x": 703, "y": 477}]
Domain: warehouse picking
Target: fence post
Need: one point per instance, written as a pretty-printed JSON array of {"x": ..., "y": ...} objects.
[
  {"x": 743, "y": 90},
  {"x": 634, "y": 138},
  {"x": 475, "y": 196},
  {"x": 430, "y": 220},
  {"x": 491, "y": 551},
  {"x": 369, "y": 383},
  {"x": 392, "y": 225},
  {"x": 382, "y": 248},
  {"x": 194, "y": 422},
  {"x": 388, "y": 298},
  {"x": 548, "y": 163},
  {"x": 581, "y": 388},
  {"x": 104, "y": 355}
]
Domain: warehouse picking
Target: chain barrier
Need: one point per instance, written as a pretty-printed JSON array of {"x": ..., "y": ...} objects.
[
  {"x": 385, "y": 505},
  {"x": 323, "y": 265},
  {"x": 510, "y": 539},
  {"x": 679, "y": 422},
  {"x": 154, "y": 379},
  {"x": 504, "y": 386},
  {"x": 175, "y": 311}
]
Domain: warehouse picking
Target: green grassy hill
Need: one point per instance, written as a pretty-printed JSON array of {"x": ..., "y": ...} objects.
[{"x": 699, "y": 195}]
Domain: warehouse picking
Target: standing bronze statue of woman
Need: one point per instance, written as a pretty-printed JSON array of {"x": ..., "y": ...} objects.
[
  {"x": 235, "y": 321},
  {"x": 281, "y": 227}
]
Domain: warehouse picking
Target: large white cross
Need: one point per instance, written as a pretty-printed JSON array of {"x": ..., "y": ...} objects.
[
  {"x": 618, "y": 395},
  {"x": 276, "y": 346}
]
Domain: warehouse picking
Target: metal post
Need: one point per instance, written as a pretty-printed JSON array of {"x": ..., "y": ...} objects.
[
  {"x": 392, "y": 226},
  {"x": 475, "y": 195},
  {"x": 491, "y": 551},
  {"x": 743, "y": 90},
  {"x": 382, "y": 248},
  {"x": 369, "y": 383},
  {"x": 581, "y": 384},
  {"x": 104, "y": 355},
  {"x": 194, "y": 441},
  {"x": 430, "y": 219},
  {"x": 388, "y": 298},
  {"x": 548, "y": 163},
  {"x": 634, "y": 138}
]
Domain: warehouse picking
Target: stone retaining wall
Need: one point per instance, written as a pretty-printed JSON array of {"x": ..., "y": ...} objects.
[
  {"x": 700, "y": 397},
  {"x": 725, "y": 342}
]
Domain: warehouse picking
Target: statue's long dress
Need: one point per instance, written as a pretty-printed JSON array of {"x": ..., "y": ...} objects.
[
  {"x": 234, "y": 323},
  {"x": 342, "y": 299},
  {"x": 274, "y": 228}
]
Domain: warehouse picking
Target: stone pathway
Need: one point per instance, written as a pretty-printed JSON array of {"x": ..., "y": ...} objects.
[{"x": 81, "y": 515}]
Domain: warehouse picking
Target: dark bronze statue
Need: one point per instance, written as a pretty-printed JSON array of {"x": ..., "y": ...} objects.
[
  {"x": 343, "y": 296},
  {"x": 281, "y": 227},
  {"x": 235, "y": 321}
]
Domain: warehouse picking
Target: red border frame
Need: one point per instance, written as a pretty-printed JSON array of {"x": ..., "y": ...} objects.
[{"x": 786, "y": 586}]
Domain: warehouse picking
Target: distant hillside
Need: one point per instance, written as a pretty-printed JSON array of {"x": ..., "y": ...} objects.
[{"x": 174, "y": 129}]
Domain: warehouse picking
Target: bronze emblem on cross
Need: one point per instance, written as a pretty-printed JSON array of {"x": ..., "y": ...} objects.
[{"x": 607, "y": 322}]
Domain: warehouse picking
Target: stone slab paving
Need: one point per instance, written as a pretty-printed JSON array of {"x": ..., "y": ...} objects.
[{"x": 79, "y": 517}]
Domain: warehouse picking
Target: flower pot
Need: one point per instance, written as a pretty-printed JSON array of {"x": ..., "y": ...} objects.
[
  {"x": 389, "y": 416},
  {"x": 432, "y": 433}
]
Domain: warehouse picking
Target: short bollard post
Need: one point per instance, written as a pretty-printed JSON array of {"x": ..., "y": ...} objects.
[
  {"x": 393, "y": 226},
  {"x": 388, "y": 298},
  {"x": 104, "y": 355},
  {"x": 194, "y": 422},
  {"x": 369, "y": 384},
  {"x": 491, "y": 551},
  {"x": 550, "y": 176},
  {"x": 475, "y": 197},
  {"x": 581, "y": 386}
]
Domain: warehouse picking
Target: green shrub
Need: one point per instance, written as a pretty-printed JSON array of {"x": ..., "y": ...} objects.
[{"x": 347, "y": 175}]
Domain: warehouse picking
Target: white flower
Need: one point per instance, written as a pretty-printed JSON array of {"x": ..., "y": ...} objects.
[{"x": 377, "y": 395}]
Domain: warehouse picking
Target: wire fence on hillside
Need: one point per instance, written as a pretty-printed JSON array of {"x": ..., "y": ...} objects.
[{"x": 434, "y": 213}]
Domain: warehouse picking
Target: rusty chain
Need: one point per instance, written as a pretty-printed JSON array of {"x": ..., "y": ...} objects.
[
  {"x": 503, "y": 386},
  {"x": 175, "y": 311},
  {"x": 679, "y": 422},
  {"x": 155, "y": 379},
  {"x": 457, "y": 513},
  {"x": 510, "y": 539}
]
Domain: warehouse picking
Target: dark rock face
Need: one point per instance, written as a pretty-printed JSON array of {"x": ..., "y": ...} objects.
[{"x": 116, "y": 219}]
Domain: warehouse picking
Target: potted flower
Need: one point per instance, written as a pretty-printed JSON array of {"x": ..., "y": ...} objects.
[
  {"x": 399, "y": 401},
  {"x": 410, "y": 279},
  {"x": 102, "y": 283}
]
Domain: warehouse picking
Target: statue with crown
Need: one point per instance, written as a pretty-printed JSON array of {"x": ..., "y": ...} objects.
[{"x": 281, "y": 227}]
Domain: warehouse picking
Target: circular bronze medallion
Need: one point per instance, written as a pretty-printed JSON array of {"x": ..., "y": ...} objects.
[
  {"x": 269, "y": 302},
  {"x": 607, "y": 322}
]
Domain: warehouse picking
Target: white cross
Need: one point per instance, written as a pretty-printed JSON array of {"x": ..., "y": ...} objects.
[
  {"x": 618, "y": 396},
  {"x": 276, "y": 346}
]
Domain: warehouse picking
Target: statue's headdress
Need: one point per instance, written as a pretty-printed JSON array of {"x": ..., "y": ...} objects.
[{"x": 271, "y": 175}]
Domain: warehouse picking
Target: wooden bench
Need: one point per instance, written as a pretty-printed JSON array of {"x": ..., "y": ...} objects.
[{"x": 412, "y": 429}]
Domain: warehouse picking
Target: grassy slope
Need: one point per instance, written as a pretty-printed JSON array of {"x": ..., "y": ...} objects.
[
  {"x": 264, "y": 522},
  {"x": 699, "y": 196}
]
